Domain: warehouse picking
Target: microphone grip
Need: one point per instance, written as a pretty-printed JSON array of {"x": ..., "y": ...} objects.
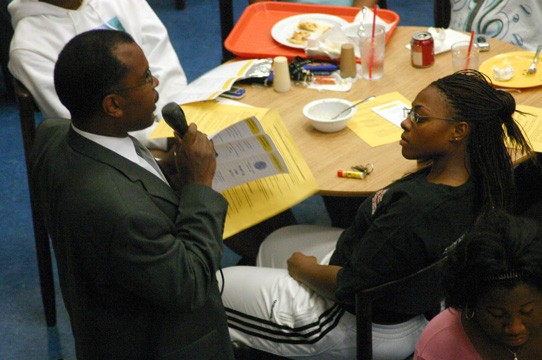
[{"x": 175, "y": 118}]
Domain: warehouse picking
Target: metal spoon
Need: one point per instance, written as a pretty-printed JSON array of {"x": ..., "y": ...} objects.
[
  {"x": 350, "y": 107},
  {"x": 532, "y": 68}
]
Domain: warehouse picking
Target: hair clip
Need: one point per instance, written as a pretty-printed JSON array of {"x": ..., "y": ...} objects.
[{"x": 509, "y": 275}]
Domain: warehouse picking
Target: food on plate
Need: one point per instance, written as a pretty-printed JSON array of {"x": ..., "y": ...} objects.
[
  {"x": 313, "y": 26},
  {"x": 306, "y": 28},
  {"x": 299, "y": 37},
  {"x": 503, "y": 74}
]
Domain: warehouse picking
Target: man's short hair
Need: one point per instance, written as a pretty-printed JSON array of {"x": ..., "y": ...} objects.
[{"x": 87, "y": 70}]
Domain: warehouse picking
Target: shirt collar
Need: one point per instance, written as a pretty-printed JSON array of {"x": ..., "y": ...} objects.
[{"x": 122, "y": 146}]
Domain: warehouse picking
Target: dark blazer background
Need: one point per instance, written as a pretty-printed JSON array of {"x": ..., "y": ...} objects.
[{"x": 136, "y": 261}]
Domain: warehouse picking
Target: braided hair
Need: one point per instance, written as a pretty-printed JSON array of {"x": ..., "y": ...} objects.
[{"x": 489, "y": 112}]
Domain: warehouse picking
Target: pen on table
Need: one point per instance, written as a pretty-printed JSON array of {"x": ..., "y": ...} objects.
[{"x": 351, "y": 174}]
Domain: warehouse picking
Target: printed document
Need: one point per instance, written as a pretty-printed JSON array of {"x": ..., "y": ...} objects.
[
  {"x": 245, "y": 153},
  {"x": 255, "y": 201}
]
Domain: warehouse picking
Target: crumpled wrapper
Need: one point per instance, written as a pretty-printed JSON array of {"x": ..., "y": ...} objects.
[
  {"x": 340, "y": 84},
  {"x": 365, "y": 16},
  {"x": 260, "y": 68},
  {"x": 328, "y": 44}
]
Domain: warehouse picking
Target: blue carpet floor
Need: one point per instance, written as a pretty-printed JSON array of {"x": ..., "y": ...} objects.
[{"x": 195, "y": 34}]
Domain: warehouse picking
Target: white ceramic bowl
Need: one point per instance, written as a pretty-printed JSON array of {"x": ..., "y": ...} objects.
[{"x": 321, "y": 112}]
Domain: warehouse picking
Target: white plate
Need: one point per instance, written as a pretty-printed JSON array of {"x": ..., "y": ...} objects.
[{"x": 284, "y": 29}]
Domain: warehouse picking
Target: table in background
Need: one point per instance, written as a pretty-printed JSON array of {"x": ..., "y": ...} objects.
[{"x": 327, "y": 153}]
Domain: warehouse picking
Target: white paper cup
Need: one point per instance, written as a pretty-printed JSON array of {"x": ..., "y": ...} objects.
[
  {"x": 281, "y": 77},
  {"x": 348, "y": 61}
]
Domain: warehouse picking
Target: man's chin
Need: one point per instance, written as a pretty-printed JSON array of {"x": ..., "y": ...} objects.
[
  {"x": 149, "y": 124},
  {"x": 407, "y": 155}
]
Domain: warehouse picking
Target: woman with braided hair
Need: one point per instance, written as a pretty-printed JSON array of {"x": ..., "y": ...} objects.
[
  {"x": 486, "y": 110},
  {"x": 298, "y": 305},
  {"x": 493, "y": 282}
]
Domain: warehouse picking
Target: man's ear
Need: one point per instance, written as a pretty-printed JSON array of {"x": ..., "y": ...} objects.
[
  {"x": 461, "y": 131},
  {"x": 113, "y": 104}
]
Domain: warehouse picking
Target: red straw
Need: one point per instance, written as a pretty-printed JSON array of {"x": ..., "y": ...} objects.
[
  {"x": 372, "y": 50},
  {"x": 469, "y": 50}
]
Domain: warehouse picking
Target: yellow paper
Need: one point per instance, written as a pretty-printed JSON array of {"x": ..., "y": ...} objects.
[
  {"x": 210, "y": 117},
  {"x": 259, "y": 200},
  {"x": 256, "y": 201},
  {"x": 531, "y": 124},
  {"x": 371, "y": 127}
]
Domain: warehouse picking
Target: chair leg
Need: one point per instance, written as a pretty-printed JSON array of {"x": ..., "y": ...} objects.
[
  {"x": 180, "y": 4},
  {"x": 45, "y": 269},
  {"x": 226, "y": 25},
  {"x": 45, "y": 264}
]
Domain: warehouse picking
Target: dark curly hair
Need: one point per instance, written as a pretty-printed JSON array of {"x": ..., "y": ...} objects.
[
  {"x": 489, "y": 112},
  {"x": 498, "y": 244}
]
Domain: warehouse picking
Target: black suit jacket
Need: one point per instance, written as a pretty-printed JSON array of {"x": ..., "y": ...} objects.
[{"x": 136, "y": 260}]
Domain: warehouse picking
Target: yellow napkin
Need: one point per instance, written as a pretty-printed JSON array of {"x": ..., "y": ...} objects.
[{"x": 373, "y": 128}]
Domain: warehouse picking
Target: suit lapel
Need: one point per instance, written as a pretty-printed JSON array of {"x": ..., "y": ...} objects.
[{"x": 134, "y": 172}]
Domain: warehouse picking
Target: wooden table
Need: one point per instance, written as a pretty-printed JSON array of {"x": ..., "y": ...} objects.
[{"x": 327, "y": 153}]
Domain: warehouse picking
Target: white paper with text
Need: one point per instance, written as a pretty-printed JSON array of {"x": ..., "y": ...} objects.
[{"x": 245, "y": 153}]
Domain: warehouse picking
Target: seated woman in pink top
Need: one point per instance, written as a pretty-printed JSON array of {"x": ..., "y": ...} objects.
[{"x": 493, "y": 282}]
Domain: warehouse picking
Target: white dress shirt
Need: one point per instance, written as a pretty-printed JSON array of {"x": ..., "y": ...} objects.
[{"x": 122, "y": 146}]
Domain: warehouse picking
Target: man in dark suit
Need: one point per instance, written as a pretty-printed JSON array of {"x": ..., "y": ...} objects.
[{"x": 137, "y": 253}]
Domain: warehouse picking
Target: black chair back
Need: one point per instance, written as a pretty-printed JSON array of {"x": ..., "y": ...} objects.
[
  {"x": 441, "y": 13},
  {"x": 27, "y": 112},
  {"x": 415, "y": 294},
  {"x": 6, "y": 33}
]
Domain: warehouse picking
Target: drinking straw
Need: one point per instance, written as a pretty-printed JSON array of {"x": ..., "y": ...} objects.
[
  {"x": 469, "y": 50},
  {"x": 372, "y": 49}
]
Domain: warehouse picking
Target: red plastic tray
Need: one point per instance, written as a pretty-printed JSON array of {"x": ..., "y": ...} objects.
[{"x": 251, "y": 35}]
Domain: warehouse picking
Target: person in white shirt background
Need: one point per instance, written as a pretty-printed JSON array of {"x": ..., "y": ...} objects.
[{"x": 43, "y": 27}]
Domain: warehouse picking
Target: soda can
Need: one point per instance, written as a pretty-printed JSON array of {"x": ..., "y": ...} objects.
[{"x": 422, "y": 49}]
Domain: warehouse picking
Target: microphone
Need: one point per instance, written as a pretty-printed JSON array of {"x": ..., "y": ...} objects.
[{"x": 174, "y": 117}]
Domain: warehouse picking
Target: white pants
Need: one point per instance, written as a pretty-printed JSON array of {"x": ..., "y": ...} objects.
[{"x": 269, "y": 310}]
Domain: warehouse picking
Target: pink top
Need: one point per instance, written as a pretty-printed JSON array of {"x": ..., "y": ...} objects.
[{"x": 445, "y": 339}]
